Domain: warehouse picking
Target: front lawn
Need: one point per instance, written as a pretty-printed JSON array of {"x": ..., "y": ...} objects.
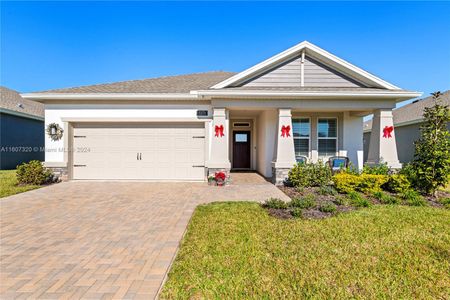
[
  {"x": 9, "y": 185},
  {"x": 236, "y": 250}
]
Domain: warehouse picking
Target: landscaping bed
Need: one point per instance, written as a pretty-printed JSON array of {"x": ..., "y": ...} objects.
[
  {"x": 317, "y": 193},
  {"x": 320, "y": 200}
]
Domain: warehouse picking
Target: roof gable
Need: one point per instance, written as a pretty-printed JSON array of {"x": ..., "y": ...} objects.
[
  {"x": 289, "y": 75},
  {"x": 319, "y": 68}
]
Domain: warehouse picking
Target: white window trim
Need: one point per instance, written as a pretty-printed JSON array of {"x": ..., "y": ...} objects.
[
  {"x": 327, "y": 138},
  {"x": 310, "y": 134}
]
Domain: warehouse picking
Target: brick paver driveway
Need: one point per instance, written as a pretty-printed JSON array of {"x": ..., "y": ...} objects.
[{"x": 101, "y": 239}]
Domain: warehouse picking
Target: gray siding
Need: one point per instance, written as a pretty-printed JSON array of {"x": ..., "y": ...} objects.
[
  {"x": 285, "y": 75},
  {"x": 288, "y": 75},
  {"x": 318, "y": 75},
  {"x": 19, "y": 132}
]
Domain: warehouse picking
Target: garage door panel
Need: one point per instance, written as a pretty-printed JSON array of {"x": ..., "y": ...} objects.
[{"x": 168, "y": 151}]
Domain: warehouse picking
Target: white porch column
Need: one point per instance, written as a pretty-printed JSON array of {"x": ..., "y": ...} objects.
[
  {"x": 285, "y": 153},
  {"x": 352, "y": 139},
  {"x": 219, "y": 158},
  {"x": 383, "y": 147}
]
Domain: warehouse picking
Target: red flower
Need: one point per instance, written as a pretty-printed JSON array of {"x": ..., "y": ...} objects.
[{"x": 220, "y": 176}]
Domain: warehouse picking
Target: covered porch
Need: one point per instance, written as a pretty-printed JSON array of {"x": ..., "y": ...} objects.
[{"x": 270, "y": 140}]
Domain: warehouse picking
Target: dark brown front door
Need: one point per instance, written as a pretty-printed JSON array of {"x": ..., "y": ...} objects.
[{"x": 241, "y": 149}]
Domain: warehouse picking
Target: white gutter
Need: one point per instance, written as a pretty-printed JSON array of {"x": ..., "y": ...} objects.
[
  {"x": 108, "y": 96},
  {"x": 400, "y": 95},
  {"x": 209, "y": 94}
]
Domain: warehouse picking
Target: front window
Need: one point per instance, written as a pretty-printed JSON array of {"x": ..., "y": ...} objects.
[
  {"x": 327, "y": 136},
  {"x": 301, "y": 132}
]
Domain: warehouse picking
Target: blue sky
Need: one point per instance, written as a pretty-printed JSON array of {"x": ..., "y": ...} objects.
[{"x": 46, "y": 45}]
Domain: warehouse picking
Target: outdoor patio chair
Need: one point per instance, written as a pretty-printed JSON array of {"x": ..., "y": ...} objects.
[
  {"x": 337, "y": 163},
  {"x": 301, "y": 159}
]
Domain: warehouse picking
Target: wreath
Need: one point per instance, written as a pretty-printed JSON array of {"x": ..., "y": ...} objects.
[{"x": 54, "y": 131}]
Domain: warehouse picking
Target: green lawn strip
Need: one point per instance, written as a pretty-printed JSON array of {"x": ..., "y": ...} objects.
[
  {"x": 9, "y": 185},
  {"x": 235, "y": 250}
]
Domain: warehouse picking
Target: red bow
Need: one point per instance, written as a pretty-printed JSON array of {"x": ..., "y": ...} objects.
[
  {"x": 387, "y": 131},
  {"x": 219, "y": 131},
  {"x": 285, "y": 131}
]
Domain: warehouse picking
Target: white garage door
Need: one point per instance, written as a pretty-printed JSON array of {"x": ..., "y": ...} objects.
[{"x": 150, "y": 151}]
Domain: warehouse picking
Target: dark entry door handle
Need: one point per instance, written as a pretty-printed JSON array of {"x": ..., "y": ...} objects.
[{"x": 140, "y": 156}]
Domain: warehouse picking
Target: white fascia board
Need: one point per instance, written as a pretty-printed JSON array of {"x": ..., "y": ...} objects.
[
  {"x": 399, "y": 96},
  {"x": 41, "y": 97},
  {"x": 315, "y": 52}
]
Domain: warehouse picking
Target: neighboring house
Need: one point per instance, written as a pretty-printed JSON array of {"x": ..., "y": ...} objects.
[
  {"x": 21, "y": 129},
  {"x": 407, "y": 121},
  {"x": 303, "y": 101}
]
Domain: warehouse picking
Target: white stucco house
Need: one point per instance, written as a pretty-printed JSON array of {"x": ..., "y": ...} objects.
[{"x": 302, "y": 101}]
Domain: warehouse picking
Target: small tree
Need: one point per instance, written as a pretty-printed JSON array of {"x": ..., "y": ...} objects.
[{"x": 431, "y": 162}]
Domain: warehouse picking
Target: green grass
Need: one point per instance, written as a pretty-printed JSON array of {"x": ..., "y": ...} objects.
[
  {"x": 236, "y": 251},
  {"x": 9, "y": 185}
]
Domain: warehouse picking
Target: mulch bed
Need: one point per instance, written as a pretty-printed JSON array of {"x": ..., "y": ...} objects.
[
  {"x": 311, "y": 213},
  {"x": 315, "y": 213}
]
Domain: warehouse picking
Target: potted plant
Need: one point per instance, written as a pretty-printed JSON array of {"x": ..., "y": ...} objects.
[
  {"x": 211, "y": 180},
  {"x": 220, "y": 178}
]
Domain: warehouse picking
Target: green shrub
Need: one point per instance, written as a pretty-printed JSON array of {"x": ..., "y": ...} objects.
[
  {"x": 370, "y": 183},
  {"x": 351, "y": 169},
  {"x": 310, "y": 174},
  {"x": 328, "y": 208},
  {"x": 357, "y": 199},
  {"x": 380, "y": 169},
  {"x": 275, "y": 203},
  {"x": 304, "y": 202},
  {"x": 327, "y": 190},
  {"x": 385, "y": 198},
  {"x": 397, "y": 183},
  {"x": 296, "y": 212},
  {"x": 33, "y": 172},
  {"x": 366, "y": 183},
  {"x": 345, "y": 183},
  {"x": 431, "y": 161},
  {"x": 413, "y": 198},
  {"x": 341, "y": 200}
]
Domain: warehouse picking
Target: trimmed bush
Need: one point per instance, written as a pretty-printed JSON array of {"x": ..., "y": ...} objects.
[
  {"x": 397, "y": 183},
  {"x": 345, "y": 183},
  {"x": 296, "y": 212},
  {"x": 328, "y": 208},
  {"x": 309, "y": 174},
  {"x": 385, "y": 198},
  {"x": 357, "y": 199},
  {"x": 413, "y": 198},
  {"x": 275, "y": 203},
  {"x": 33, "y": 172},
  {"x": 366, "y": 183},
  {"x": 370, "y": 183},
  {"x": 305, "y": 202}
]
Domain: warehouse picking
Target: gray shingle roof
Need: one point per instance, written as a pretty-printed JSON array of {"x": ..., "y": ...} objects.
[
  {"x": 11, "y": 100},
  {"x": 413, "y": 111},
  {"x": 167, "y": 84}
]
